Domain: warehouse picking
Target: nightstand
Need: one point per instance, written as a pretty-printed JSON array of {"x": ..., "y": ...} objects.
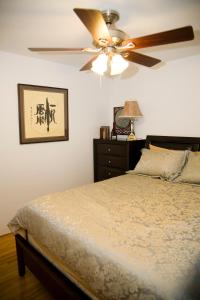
[{"x": 113, "y": 158}]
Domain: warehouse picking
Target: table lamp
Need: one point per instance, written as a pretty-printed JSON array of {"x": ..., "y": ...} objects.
[{"x": 131, "y": 111}]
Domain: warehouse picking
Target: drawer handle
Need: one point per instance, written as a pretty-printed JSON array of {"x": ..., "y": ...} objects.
[
  {"x": 109, "y": 161},
  {"x": 109, "y": 173},
  {"x": 109, "y": 149}
]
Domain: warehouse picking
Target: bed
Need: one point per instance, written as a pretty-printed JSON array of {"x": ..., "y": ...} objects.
[{"x": 115, "y": 239}]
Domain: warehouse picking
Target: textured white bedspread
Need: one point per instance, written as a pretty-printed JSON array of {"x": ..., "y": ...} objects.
[{"x": 129, "y": 237}]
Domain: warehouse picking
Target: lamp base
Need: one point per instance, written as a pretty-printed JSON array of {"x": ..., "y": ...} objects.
[{"x": 131, "y": 137}]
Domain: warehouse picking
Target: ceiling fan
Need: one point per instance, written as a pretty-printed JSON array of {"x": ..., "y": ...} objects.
[{"x": 112, "y": 48}]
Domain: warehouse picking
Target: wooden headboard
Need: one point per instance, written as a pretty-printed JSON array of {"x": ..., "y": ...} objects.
[{"x": 174, "y": 142}]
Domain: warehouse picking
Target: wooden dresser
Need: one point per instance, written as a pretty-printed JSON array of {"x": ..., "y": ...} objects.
[{"x": 113, "y": 158}]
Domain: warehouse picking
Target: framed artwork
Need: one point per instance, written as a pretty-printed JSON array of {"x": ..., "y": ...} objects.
[
  {"x": 121, "y": 126},
  {"x": 43, "y": 114}
]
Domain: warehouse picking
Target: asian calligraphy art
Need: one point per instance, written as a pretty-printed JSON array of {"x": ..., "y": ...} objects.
[{"x": 43, "y": 114}]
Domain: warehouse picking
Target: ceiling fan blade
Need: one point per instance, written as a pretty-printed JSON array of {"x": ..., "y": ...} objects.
[
  {"x": 88, "y": 65},
  {"x": 161, "y": 38},
  {"x": 141, "y": 59},
  {"x": 56, "y": 49},
  {"x": 94, "y": 22}
]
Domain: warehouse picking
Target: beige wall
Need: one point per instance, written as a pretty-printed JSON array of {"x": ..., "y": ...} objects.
[
  {"x": 169, "y": 97},
  {"x": 27, "y": 171}
]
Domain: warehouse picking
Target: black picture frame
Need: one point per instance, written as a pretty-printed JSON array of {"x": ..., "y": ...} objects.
[{"x": 43, "y": 114}]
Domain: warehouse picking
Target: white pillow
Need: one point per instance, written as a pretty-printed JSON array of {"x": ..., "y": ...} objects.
[
  {"x": 166, "y": 164},
  {"x": 191, "y": 172}
]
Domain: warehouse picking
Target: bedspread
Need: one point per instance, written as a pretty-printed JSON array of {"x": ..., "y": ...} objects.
[{"x": 129, "y": 237}]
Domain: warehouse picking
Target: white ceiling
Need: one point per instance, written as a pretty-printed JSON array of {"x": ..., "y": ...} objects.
[{"x": 52, "y": 23}]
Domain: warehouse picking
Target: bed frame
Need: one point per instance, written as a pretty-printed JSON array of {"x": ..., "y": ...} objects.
[
  {"x": 58, "y": 284},
  {"x": 174, "y": 142}
]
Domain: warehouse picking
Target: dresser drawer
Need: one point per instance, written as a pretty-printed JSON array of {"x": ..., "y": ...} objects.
[
  {"x": 120, "y": 150},
  {"x": 105, "y": 173},
  {"x": 113, "y": 161}
]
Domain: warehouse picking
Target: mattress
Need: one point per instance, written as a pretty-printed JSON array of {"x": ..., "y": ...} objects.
[{"x": 129, "y": 237}]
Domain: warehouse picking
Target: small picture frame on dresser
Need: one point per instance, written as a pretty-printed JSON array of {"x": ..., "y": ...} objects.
[{"x": 121, "y": 126}]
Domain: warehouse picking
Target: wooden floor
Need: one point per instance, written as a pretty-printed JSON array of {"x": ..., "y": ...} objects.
[{"x": 12, "y": 286}]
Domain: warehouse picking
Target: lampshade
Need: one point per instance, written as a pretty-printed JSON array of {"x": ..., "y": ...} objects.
[
  {"x": 99, "y": 65},
  {"x": 131, "y": 110},
  {"x": 110, "y": 64},
  {"x": 118, "y": 64}
]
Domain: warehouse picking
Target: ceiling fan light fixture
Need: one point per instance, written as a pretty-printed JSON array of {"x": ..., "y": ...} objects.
[
  {"x": 118, "y": 65},
  {"x": 99, "y": 65}
]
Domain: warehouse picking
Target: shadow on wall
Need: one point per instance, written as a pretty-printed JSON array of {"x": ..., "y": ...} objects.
[
  {"x": 192, "y": 290},
  {"x": 131, "y": 71}
]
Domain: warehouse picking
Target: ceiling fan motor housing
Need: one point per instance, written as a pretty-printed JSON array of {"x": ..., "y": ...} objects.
[
  {"x": 118, "y": 36},
  {"x": 110, "y": 16}
]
